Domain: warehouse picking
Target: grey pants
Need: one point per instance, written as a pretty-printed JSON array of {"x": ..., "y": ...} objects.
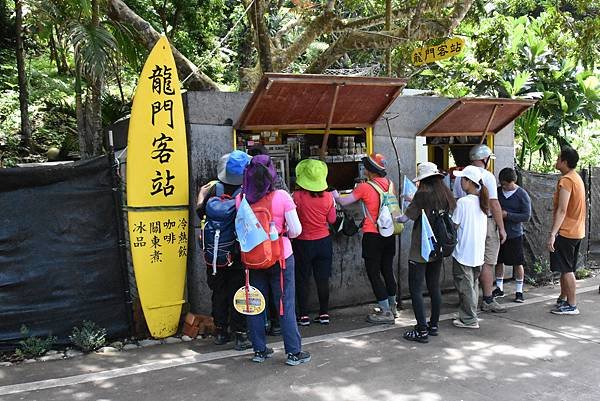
[{"x": 466, "y": 283}]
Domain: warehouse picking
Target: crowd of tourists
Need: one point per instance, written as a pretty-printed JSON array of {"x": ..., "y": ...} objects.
[{"x": 482, "y": 225}]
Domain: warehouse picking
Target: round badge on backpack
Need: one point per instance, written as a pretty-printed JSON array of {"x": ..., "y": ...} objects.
[{"x": 251, "y": 302}]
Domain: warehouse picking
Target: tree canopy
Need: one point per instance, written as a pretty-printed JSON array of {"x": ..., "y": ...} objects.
[{"x": 83, "y": 57}]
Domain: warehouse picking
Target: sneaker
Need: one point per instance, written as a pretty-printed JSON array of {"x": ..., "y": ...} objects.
[
  {"x": 274, "y": 331},
  {"x": 492, "y": 307},
  {"x": 241, "y": 341},
  {"x": 394, "y": 310},
  {"x": 298, "y": 358},
  {"x": 459, "y": 323},
  {"x": 322, "y": 319},
  {"x": 381, "y": 318},
  {"x": 519, "y": 297},
  {"x": 416, "y": 335},
  {"x": 566, "y": 309},
  {"x": 433, "y": 330},
  {"x": 222, "y": 336},
  {"x": 261, "y": 356},
  {"x": 498, "y": 293},
  {"x": 304, "y": 321},
  {"x": 559, "y": 302}
]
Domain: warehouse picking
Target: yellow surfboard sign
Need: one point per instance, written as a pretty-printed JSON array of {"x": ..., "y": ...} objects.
[
  {"x": 158, "y": 191},
  {"x": 429, "y": 54}
]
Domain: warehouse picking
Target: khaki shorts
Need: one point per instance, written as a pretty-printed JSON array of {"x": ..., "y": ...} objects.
[{"x": 492, "y": 243}]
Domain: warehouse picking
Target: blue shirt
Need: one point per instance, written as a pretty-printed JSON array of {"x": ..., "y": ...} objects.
[{"x": 518, "y": 209}]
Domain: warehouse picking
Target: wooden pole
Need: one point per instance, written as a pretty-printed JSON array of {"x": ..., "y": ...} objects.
[
  {"x": 328, "y": 126},
  {"x": 487, "y": 126}
]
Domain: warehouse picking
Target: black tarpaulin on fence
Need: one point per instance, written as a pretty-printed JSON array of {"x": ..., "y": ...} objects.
[
  {"x": 541, "y": 188},
  {"x": 60, "y": 261}
]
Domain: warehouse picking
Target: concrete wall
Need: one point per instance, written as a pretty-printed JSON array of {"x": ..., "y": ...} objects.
[{"x": 210, "y": 117}]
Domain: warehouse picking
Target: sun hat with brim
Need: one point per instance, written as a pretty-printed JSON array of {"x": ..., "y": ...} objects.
[
  {"x": 311, "y": 175},
  {"x": 426, "y": 169},
  {"x": 375, "y": 163},
  {"x": 231, "y": 167},
  {"x": 473, "y": 173}
]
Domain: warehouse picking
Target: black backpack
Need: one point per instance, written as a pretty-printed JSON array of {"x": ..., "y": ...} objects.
[{"x": 445, "y": 233}]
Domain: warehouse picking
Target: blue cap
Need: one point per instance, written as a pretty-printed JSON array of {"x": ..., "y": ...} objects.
[{"x": 231, "y": 167}]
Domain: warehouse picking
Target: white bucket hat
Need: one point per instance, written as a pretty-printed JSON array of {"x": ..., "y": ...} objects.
[
  {"x": 473, "y": 173},
  {"x": 426, "y": 169}
]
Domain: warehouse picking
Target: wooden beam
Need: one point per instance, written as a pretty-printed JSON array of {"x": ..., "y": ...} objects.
[
  {"x": 328, "y": 126},
  {"x": 487, "y": 126}
]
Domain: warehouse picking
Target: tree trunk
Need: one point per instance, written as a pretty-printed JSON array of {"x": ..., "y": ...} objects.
[
  {"x": 94, "y": 117},
  {"x": 23, "y": 90},
  {"x": 119, "y": 12},
  {"x": 85, "y": 142},
  {"x": 263, "y": 40}
]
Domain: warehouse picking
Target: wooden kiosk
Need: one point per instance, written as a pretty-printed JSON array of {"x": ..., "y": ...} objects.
[{"x": 316, "y": 116}]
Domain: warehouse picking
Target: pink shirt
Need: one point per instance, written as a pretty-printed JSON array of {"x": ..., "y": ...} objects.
[
  {"x": 314, "y": 213},
  {"x": 280, "y": 204}
]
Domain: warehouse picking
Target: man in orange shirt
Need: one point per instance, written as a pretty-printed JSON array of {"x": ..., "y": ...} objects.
[{"x": 568, "y": 229}]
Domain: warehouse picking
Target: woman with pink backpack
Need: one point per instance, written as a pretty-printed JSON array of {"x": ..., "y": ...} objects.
[{"x": 260, "y": 193}]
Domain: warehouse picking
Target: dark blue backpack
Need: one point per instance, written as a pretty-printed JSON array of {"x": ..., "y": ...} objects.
[{"x": 219, "y": 242}]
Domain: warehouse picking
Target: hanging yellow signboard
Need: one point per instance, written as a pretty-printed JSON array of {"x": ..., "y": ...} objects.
[
  {"x": 428, "y": 54},
  {"x": 157, "y": 191}
]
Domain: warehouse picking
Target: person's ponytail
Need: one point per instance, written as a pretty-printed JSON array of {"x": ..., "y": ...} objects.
[{"x": 484, "y": 198}]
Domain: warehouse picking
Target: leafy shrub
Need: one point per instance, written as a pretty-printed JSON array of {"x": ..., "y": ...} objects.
[
  {"x": 540, "y": 273},
  {"x": 89, "y": 337},
  {"x": 582, "y": 273},
  {"x": 33, "y": 347}
]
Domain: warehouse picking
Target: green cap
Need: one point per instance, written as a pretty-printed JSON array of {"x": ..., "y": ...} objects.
[{"x": 311, "y": 174}]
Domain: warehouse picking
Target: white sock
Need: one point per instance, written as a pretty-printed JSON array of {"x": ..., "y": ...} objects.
[
  {"x": 519, "y": 286},
  {"x": 500, "y": 283}
]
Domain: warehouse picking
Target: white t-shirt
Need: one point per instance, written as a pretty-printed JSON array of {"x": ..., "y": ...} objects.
[
  {"x": 488, "y": 180},
  {"x": 472, "y": 230},
  {"x": 508, "y": 194}
]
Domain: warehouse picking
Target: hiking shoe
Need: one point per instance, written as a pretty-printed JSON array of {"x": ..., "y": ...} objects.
[
  {"x": 261, "y": 356},
  {"x": 274, "y": 329},
  {"x": 322, "y": 319},
  {"x": 459, "y": 323},
  {"x": 241, "y": 341},
  {"x": 566, "y": 309},
  {"x": 492, "y": 307},
  {"x": 416, "y": 335},
  {"x": 221, "y": 338},
  {"x": 497, "y": 293},
  {"x": 381, "y": 318},
  {"x": 297, "y": 358},
  {"x": 304, "y": 321},
  {"x": 394, "y": 310},
  {"x": 432, "y": 330},
  {"x": 519, "y": 297}
]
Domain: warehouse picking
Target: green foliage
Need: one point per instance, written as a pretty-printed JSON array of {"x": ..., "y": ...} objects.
[
  {"x": 524, "y": 49},
  {"x": 583, "y": 273},
  {"x": 89, "y": 337},
  {"x": 33, "y": 347},
  {"x": 539, "y": 274}
]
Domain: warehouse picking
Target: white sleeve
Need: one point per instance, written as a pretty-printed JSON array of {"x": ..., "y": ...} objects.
[
  {"x": 294, "y": 228},
  {"x": 490, "y": 183},
  {"x": 458, "y": 212}
]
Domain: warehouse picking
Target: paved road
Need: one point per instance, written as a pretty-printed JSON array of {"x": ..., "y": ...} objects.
[{"x": 525, "y": 354}]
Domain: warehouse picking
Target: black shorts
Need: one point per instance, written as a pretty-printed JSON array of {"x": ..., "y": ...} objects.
[
  {"x": 511, "y": 252},
  {"x": 564, "y": 257}
]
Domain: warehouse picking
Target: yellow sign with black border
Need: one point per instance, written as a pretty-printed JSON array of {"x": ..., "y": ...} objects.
[{"x": 429, "y": 54}]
